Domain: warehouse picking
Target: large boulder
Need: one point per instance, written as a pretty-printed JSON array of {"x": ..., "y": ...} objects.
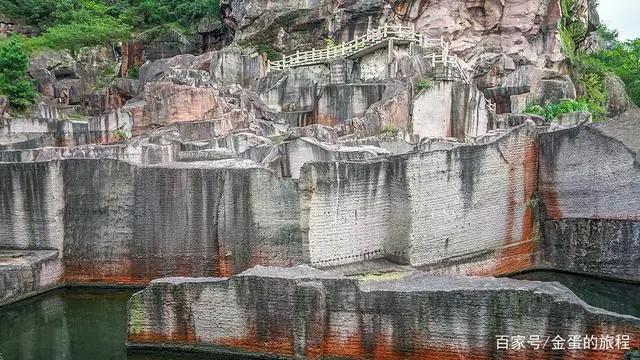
[
  {"x": 168, "y": 103},
  {"x": 529, "y": 84},
  {"x": 619, "y": 104}
]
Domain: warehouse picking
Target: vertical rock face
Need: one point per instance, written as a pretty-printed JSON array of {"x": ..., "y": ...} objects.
[
  {"x": 338, "y": 103},
  {"x": 450, "y": 109},
  {"x": 590, "y": 183},
  {"x": 304, "y": 313},
  {"x": 427, "y": 209},
  {"x": 114, "y": 222},
  {"x": 32, "y": 206}
]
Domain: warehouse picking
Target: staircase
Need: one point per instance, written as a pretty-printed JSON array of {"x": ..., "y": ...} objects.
[
  {"x": 445, "y": 66},
  {"x": 437, "y": 50}
]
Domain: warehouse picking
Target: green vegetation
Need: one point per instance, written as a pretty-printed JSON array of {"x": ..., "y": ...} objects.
[
  {"x": 107, "y": 76},
  {"x": 14, "y": 62},
  {"x": 329, "y": 43},
  {"x": 271, "y": 53},
  {"x": 554, "y": 110},
  {"x": 133, "y": 72},
  {"x": 390, "y": 129},
  {"x": 622, "y": 59},
  {"x": 119, "y": 135},
  {"x": 589, "y": 70},
  {"x": 424, "y": 84},
  {"x": 73, "y": 24}
]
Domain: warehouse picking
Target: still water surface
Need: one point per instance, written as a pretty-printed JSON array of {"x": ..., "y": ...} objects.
[
  {"x": 91, "y": 324},
  {"x": 73, "y": 324}
]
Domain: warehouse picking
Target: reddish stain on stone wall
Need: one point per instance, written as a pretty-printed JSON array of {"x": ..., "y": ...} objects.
[{"x": 519, "y": 256}]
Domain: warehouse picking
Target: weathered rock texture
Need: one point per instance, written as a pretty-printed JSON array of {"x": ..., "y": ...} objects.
[
  {"x": 115, "y": 222},
  {"x": 427, "y": 209},
  {"x": 590, "y": 185},
  {"x": 451, "y": 109},
  {"x": 305, "y": 313},
  {"x": 463, "y": 209},
  {"x": 25, "y": 273},
  {"x": 494, "y": 36}
]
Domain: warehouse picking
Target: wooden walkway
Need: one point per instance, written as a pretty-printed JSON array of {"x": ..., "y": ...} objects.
[{"x": 436, "y": 49}]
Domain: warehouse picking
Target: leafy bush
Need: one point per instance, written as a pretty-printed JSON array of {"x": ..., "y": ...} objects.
[
  {"x": 14, "y": 62},
  {"x": 534, "y": 109},
  {"x": 34, "y": 12},
  {"x": 554, "y": 110},
  {"x": 390, "y": 129},
  {"x": 158, "y": 12},
  {"x": 72, "y": 24},
  {"x": 133, "y": 72},
  {"x": 623, "y": 59},
  {"x": 74, "y": 36},
  {"x": 119, "y": 135},
  {"x": 424, "y": 84},
  {"x": 271, "y": 53}
]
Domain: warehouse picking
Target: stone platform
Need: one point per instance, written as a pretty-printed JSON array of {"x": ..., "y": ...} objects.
[{"x": 306, "y": 313}]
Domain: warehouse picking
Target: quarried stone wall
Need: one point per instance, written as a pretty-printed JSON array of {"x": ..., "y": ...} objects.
[
  {"x": 116, "y": 222},
  {"x": 304, "y": 313},
  {"x": 450, "y": 109},
  {"x": 465, "y": 210},
  {"x": 590, "y": 186}
]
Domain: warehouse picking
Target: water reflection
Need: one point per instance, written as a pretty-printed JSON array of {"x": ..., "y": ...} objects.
[
  {"x": 91, "y": 324},
  {"x": 614, "y": 296},
  {"x": 72, "y": 324}
]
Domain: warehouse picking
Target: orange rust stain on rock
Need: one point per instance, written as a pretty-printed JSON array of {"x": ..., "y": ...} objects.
[
  {"x": 224, "y": 268},
  {"x": 519, "y": 255},
  {"x": 423, "y": 348},
  {"x": 110, "y": 272},
  {"x": 252, "y": 342},
  {"x": 337, "y": 345},
  {"x": 549, "y": 194},
  {"x": 176, "y": 337}
]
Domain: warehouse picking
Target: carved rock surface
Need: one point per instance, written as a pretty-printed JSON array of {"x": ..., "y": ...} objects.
[{"x": 304, "y": 313}]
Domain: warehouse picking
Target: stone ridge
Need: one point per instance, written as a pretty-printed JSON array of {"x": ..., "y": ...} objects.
[{"x": 304, "y": 313}]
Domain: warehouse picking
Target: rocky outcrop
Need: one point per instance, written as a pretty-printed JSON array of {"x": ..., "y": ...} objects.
[
  {"x": 167, "y": 103},
  {"x": 304, "y": 313},
  {"x": 496, "y": 36},
  {"x": 530, "y": 85}
]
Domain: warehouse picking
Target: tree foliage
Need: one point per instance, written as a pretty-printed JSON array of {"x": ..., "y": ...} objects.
[
  {"x": 72, "y": 24},
  {"x": 14, "y": 83},
  {"x": 623, "y": 59}
]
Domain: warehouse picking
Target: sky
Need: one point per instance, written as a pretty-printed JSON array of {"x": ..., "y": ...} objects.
[{"x": 622, "y": 15}]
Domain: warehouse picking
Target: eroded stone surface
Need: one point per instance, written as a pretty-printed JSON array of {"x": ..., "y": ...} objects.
[{"x": 305, "y": 313}]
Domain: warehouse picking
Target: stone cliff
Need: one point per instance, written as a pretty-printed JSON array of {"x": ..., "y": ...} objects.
[{"x": 267, "y": 180}]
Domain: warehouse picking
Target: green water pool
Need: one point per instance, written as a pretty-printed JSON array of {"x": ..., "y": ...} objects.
[{"x": 70, "y": 324}]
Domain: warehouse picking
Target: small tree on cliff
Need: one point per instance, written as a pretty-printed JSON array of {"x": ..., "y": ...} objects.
[{"x": 14, "y": 83}]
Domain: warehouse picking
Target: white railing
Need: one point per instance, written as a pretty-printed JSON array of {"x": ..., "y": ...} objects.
[
  {"x": 491, "y": 106},
  {"x": 371, "y": 39}
]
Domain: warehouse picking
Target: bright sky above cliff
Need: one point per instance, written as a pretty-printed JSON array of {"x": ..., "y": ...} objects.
[{"x": 622, "y": 15}]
